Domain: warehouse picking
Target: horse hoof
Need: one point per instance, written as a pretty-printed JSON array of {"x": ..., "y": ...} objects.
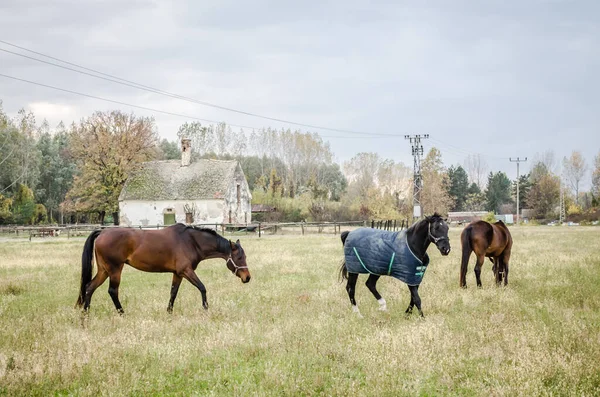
[{"x": 383, "y": 309}]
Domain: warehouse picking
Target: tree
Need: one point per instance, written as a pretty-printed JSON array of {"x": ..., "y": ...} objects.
[
  {"x": 23, "y": 205},
  {"x": 107, "y": 146},
  {"x": 524, "y": 187},
  {"x": 459, "y": 187},
  {"x": 360, "y": 172},
  {"x": 574, "y": 170},
  {"x": 434, "y": 194},
  {"x": 168, "y": 150},
  {"x": 498, "y": 191},
  {"x": 5, "y": 209},
  {"x": 56, "y": 175},
  {"x": 544, "y": 195},
  {"x": 333, "y": 180},
  {"x": 596, "y": 176},
  {"x": 476, "y": 168},
  {"x": 19, "y": 157}
]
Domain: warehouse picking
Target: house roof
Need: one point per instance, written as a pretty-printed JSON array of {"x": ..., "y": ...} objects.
[{"x": 168, "y": 180}]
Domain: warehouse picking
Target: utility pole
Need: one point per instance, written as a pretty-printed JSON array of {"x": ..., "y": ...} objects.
[
  {"x": 561, "y": 215},
  {"x": 518, "y": 161},
  {"x": 417, "y": 152}
]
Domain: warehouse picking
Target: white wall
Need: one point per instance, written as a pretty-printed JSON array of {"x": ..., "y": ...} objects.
[{"x": 142, "y": 212}]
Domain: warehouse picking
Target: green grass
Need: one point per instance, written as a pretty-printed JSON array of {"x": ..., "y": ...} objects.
[{"x": 290, "y": 331}]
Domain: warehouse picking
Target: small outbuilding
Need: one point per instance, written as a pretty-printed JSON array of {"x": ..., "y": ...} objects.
[{"x": 172, "y": 191}]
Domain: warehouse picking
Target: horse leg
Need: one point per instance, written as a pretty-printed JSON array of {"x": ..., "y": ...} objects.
[
  {"x": 497, "y": 269},
  {"x": 351, "y": 287},
  {"x": 372, "y": 286},
  {"x": 504, "y": 260},
  {"x": 97, "y": 281},
  {"x": 174, "y": 289},
  {"x": 480, "y": 259},
  {"x": 113, "y": 289},
  {"x": 409, "y": 309},
  {"x": 190, "y": 275},
  {"x": 415, "y": 299}
]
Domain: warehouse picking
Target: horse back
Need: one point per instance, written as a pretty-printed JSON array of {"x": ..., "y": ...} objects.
[{"x": 127, "y": 245}]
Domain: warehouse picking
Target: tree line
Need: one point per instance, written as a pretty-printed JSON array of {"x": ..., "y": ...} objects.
[{"x": 75, "y": 173}]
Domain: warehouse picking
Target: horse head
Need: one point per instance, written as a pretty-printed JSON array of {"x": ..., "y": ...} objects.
[
  {"x": 237, "y": 262},
  {"x": 438, "y": 233}
]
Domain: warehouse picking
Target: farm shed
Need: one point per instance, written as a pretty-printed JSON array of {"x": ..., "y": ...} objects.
[{"x": 171, "y": 191}]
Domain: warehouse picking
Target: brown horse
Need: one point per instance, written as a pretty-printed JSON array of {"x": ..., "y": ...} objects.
[
  {"x": 176, "y": 249},
  {"x": 486, "y": 239}
]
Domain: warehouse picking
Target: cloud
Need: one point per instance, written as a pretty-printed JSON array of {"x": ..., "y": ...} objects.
[{"x": 499, "y": 78}]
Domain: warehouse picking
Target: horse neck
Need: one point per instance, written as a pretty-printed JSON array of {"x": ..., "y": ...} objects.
[
  {"x": 417, "y": 238},
  {"x": 212, "y": 246}
]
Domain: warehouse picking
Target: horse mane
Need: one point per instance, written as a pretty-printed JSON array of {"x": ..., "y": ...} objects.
[
  {"x": 432, "y": 218},
  {"x": 223, "y": 244},
  {"x": 203, "y": 229}
]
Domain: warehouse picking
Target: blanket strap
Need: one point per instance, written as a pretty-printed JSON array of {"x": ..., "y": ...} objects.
[
  {"x": 391, "y": 263},
  {"x": 370, "y": 272},
  {"x": 361, "y": 262}
]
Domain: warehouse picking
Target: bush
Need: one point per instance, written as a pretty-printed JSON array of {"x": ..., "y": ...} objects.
[{"x": 489, "y": 217}]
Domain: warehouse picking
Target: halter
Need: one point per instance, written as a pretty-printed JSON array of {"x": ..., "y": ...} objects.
[
  {"x": 435, "y": 239},
  {"x": 235, "y": 266}
]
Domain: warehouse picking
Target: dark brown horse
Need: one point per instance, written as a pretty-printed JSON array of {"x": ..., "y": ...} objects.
[
  {"x": 176, "y": 249},
  {"x": 486, "y": 239}
]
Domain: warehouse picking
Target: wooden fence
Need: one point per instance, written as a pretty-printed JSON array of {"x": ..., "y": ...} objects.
[{"x": 260, "y": 228}]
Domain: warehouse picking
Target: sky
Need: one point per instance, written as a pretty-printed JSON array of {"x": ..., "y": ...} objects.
[{"x": 497, "y": 78}]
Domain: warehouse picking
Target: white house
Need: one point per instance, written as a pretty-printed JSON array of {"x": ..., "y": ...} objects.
[{"x": 203, "y": 191}]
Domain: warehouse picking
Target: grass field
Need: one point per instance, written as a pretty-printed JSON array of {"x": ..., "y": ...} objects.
[{"x": 290, "y": 331}]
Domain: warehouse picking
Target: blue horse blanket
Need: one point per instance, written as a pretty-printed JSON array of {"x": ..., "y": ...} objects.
[{"x": 383, "y": 253}]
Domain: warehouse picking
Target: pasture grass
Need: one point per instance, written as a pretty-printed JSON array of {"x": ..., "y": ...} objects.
[{"x": 290, "y": 331}]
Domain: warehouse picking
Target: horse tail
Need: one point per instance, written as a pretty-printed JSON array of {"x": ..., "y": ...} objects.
[
  {"x": 343, "y": 270},
  {"x": 86, "y": 265},
  {"x": 465, "y": 238}
]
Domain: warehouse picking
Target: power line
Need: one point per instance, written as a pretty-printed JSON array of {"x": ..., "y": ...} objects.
[
  {"x": 462, "y": 151},
  {"x": 133, "y": 84},
  {"x": 166, "y": 112}
]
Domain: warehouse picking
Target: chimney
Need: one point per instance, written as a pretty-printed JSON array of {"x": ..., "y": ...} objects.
[{"x": 186, "y": 152}]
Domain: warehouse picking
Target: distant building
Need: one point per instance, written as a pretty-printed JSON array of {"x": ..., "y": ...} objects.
[
  {"x": 465, "y": 216},
  {"x": 506, "y": 218},
  {"x": 203, "y": 191}
]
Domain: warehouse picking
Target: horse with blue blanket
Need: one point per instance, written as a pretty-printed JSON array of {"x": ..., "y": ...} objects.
[{"x": 402, "y": 255}]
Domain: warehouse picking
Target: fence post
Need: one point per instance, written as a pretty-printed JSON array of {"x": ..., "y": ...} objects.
[
  {"x": 258, "y": 229},
  {"x": 372, "y": 224},
  {"x": 302, "y": 226}
]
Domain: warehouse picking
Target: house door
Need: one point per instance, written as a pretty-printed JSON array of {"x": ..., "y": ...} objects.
[{"x": 169, "y": 219}]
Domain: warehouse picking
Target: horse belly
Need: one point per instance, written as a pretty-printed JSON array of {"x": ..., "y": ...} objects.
[{"x": 152, "y": 260}]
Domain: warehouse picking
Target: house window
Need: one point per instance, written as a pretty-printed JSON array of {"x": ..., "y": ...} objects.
[{"x": 239, "y": 195}]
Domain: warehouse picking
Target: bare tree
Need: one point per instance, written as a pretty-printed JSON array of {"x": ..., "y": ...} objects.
[
  {"x": 574, "y": 169},
  {"x": 547, "y": 158},
  {"x": 596, "y": 176},
  {"x": 477, "y": 169}
]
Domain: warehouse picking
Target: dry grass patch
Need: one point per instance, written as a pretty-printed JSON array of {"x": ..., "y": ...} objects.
[{"x": 290, "y": 331}]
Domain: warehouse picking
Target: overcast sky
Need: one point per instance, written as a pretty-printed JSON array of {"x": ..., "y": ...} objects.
[{"x": 500, "y": 78}]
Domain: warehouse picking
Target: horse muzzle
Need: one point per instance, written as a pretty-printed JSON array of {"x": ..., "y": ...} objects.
[{"x": 444, "y": 250}]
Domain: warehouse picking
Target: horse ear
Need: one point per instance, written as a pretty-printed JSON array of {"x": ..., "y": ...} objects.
[
  {"x": 238, "y": 241},
  {"x": 232, "y": 244}
]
